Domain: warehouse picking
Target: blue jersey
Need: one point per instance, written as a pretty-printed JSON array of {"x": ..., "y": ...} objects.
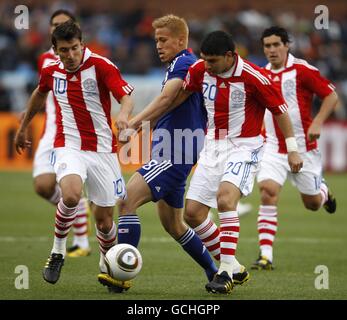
[
  {"x": 173, "y": 156},
  {"x": 188, "y": 120}
]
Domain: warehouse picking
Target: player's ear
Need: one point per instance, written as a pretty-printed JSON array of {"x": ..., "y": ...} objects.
[
  {"x": 82, "y": 45},
  {"x": 55, "y": 50}
]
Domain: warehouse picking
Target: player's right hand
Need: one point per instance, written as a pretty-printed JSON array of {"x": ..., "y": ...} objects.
[
  {"x": 21, "y": 142},
  {"x": 295, "y": 161}
]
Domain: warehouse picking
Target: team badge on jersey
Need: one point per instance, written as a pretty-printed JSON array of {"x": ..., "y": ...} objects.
[{"x": 90, "y": 85}]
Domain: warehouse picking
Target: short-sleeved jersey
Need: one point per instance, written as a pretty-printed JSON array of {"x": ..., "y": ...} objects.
[
  {"x": 82, "y": 101},
  {"x": 298, "y": 82},
  {"x": 235, "y": 100},
  {"x": 189, "y": 118},
  {"x": 50, "y": 125}
]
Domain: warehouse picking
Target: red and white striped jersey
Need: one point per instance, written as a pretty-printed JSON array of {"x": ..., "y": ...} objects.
[
  {"x": 50, "y": 126},
  {"x": 235, "y": 100},
  {"x": 83, "y": 103},
  {"x": 298, "y": 82}
]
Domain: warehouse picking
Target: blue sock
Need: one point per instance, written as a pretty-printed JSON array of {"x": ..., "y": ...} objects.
[
  {"x": 192, "y": 244},
  {"x": 129, "y": 229}
]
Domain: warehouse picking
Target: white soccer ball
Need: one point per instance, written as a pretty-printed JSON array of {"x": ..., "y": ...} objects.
[{"x": 123, "y": 262}]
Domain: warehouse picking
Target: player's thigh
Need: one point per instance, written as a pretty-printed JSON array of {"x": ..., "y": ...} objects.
[
  {"x": 70, "y": 169},
  {"x": 138, "y": 193},
  {"x": 309, "y": 179},
  {"x": 104, "y": 183},
  {"x": 204, "y": 185}
]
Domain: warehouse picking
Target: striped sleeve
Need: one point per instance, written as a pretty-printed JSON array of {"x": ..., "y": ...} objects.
[
  {"x": 315, "y": 82},
  {"x": 45, "y": 81},
  {"x": 194, "y": 78},
  {"x": 114, "y": 81},
  {"x": 267, "y": 93}
]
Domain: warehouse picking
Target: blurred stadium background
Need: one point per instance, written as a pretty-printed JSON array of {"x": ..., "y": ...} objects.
[{"x": 121, "y": 30}]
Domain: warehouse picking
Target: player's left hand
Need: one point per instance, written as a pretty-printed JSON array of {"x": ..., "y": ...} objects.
[
  {"x": 313, "y": 132},
  {"x": 21, "y": 142},
  {"x": 295, "y": 161}
]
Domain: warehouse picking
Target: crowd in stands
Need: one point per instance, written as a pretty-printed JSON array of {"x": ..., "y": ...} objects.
[{"x": 127, "y": 39}]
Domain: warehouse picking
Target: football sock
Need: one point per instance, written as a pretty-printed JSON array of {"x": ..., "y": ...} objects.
[
  {"x": 208, "y": 232},
  {"x": 267, "y": 228},
  {"x": 129, "y": 229},
  {"x": 229, "y": 235},
  {"x": 64, "y": 219},
  {"x": 80, "y": 225},
  {"x": 324, "y": 193},
  {"x": 106, "y": 240},
  {"x": 191, "y": 243}
]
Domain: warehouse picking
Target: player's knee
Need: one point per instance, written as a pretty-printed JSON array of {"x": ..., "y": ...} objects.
[
  {"x": 71, "y": 200},
  {"x": 44, "y": 190},
  {"x": 192, "y": 217},
  {"x": 312, "y": 205},
  {"x": 225, "y": 203},
  {"x": 268, "y": 196},
  {"x": 103, "y": 225}
]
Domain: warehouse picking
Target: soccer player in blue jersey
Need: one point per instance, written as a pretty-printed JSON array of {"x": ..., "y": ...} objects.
[{"x": 163, "y": 178}]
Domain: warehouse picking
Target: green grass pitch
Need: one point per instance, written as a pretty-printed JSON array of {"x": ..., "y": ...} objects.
[{"x": 304, "y": 241}]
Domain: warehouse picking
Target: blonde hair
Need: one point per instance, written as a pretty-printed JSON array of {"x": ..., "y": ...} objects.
[{"x": 178, "y": 26}]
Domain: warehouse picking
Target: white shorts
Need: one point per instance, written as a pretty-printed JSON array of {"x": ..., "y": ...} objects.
[
  {"x": 99, "y": 171},
  {"x": 274, "y": 166},
  {"x": 42, "y": 163},
  {"x": 224, "y": 160}
]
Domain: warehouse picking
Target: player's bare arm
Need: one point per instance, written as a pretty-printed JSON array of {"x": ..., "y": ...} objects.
[
  {"x": 294, "y": 159},
  {"x": 126, "y": 109},
  {"x": 328, "y": 105},
  {"x": 35, "y": 104},
  {"x": 122, "y": 121},
  {"x": 171, "y": 96}
]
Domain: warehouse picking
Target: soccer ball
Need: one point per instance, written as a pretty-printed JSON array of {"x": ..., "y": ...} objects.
[{"x": 123, "y": 262}]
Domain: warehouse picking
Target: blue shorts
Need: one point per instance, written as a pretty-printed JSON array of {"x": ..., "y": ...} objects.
[{"x": 166, "y": 180}]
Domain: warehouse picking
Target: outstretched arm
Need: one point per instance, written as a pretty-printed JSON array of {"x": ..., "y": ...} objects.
[
  {"x": 171, "y": 96},
  {"x": 294, "y": 159},
  {"x": 35, "y": 104}
]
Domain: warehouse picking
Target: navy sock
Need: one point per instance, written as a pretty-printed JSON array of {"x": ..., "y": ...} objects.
[
  {"x": 192, "y": 244},
  {"x": 129, "y": 229}
]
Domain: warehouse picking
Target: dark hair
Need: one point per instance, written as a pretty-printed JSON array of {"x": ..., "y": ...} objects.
[
  {"x": 64, "y": 12},
  {"x": 277, "y": 31},
  {"x": 217, "y": 43},
  {"x": 66, "y": 31}
]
